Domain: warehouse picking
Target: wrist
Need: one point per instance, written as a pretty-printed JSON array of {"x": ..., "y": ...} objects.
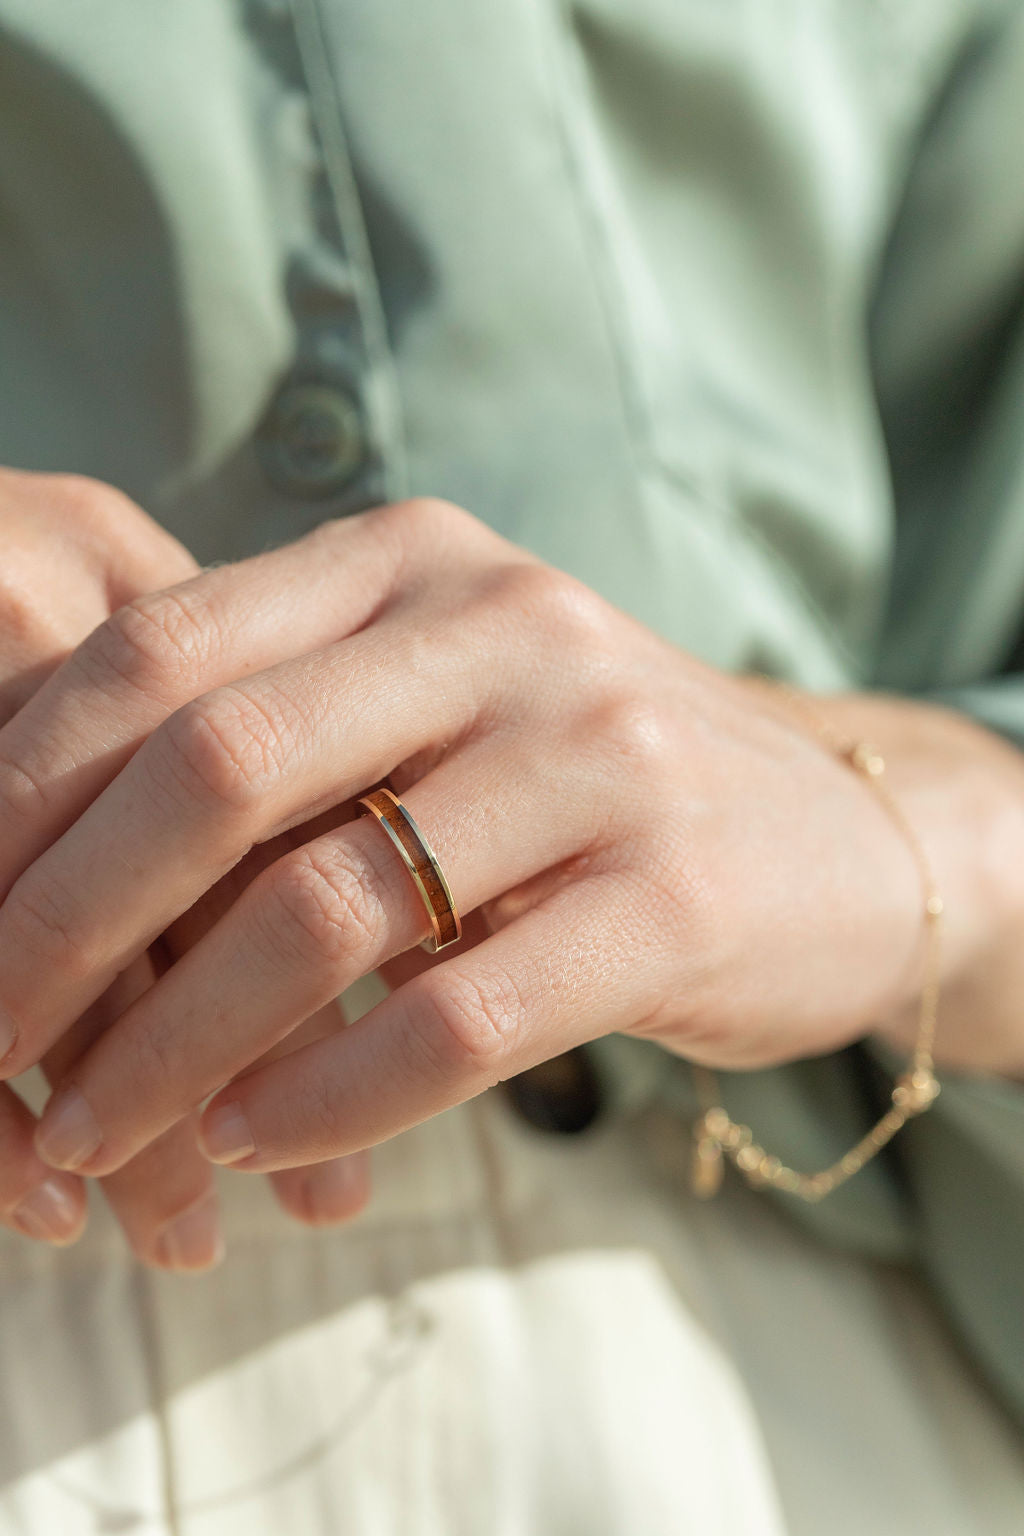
[{"x": 961, "y": 789}]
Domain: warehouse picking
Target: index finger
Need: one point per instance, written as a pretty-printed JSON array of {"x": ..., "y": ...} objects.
[{"x": 163, "y": 649}]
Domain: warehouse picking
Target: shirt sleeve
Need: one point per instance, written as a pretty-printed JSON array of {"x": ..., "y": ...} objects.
[
  {"x": 948, "y": 340},
  {"x": 946, "y": 387},
  {"x": 963, "y": 1163}
]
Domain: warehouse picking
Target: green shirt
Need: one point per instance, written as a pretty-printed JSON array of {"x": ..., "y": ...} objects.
[{"x": 716, "y": 305}]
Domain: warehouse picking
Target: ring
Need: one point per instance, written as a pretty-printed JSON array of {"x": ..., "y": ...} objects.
[{"x": 418, "y": 858}]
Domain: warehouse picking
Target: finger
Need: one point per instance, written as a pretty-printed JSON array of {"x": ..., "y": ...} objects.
[
  {"x": 401, "y": 968},
  {"x": 327, "y": 1193},
  {"x": 34, "y": 1200},
  {"x": 164, "y": 1198},
  {"x": 73, "y": 550},
  {"x": 338, "y": 1188},
  {"x": 562, "y": 974},
  {"x": 302, "y": 932},
  {"x": 93, "y": 519},
  {"x": 227, "y": 772},
  {"x": 167, "y": 1207},
  {"x": 34, "y": 639},
  {"x": 163, "y": 649}
]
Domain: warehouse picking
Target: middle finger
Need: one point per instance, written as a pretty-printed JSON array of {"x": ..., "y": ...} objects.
[
  {"x": 225, "y": 772},
  {"x": 304, "y": 930}
]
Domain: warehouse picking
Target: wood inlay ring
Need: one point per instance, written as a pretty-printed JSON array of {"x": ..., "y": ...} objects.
[{"x": 418, "y": 858}]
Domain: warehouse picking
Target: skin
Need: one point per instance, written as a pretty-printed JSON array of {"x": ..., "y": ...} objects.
[
  {"x": 72, "y": 553},
  {"x": 637, "y": 841}
]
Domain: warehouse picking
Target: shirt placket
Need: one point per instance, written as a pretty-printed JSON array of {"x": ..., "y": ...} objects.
[{"x": 330, "y": 439}]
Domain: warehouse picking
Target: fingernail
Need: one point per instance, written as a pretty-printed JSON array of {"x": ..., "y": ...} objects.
[
  {"x": 49, "y": 1212},
  {"x": 67, "y": 1135},
  {"x": 193, "y": 1240},
  {"x": 224, "y": 1134},
  {"x": 335, "y": 1189},
  {"x": 8, "y": 1035}
]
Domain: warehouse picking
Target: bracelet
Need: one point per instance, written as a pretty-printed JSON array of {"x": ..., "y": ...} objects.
[{"x": 717, "y": 1136}]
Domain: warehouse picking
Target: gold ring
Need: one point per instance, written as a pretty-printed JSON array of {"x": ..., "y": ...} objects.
[{"x": 418, "y": 858}]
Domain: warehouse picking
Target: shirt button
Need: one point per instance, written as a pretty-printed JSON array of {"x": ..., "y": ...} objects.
[{"x": 311, "y": 440}]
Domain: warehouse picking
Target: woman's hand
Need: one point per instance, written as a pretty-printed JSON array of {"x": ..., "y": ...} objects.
[
  {"x": 72, "y": 551},
  {"x": 644, "y": 844}
]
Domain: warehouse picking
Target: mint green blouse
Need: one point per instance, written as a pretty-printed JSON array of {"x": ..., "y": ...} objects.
[{"x": 719, "y": 306}]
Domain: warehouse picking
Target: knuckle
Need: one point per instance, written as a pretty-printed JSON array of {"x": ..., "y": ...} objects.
[
  {"x": 565, "y": 611},
  {"x": 585, "y": 624},
  {"x": 107, "y": 518},
  {"x": 431, "y": 512},
  {"x": 467, "y": 1022},
  {"x": 31, "y": 626},
  {"x": 399, "y": 524},
  {"x": 91, "y": 502},
  {"x": 222, "y": 750},
  {"x": 425, "y": 525},
  {"x": 160, "y": 639},
  {"x": 22, "y": 791},
  {"x": 323, "y": 910},
  {"x": 634, "y": 729}
]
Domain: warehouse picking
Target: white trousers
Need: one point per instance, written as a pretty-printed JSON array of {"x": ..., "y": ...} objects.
[{"x": 525, "y": 1335}]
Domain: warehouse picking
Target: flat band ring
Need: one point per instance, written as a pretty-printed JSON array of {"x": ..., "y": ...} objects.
[{"x": 418, "y": 858}]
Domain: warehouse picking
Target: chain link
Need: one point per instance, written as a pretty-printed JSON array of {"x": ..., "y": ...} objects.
[{"x": 717, "y": 1136}]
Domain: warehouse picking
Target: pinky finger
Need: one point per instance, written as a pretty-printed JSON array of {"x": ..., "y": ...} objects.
[
  {"x": 333, "y": 1191},
  {"x": 34, "y": 1200},
  {"x": 563, "y": 973}
]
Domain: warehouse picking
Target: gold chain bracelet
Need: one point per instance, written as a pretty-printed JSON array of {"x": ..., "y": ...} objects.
[{"x": 717, "y": 1136}]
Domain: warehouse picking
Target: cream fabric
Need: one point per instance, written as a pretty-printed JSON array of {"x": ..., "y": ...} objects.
[{"x": 525, "y": 1334}]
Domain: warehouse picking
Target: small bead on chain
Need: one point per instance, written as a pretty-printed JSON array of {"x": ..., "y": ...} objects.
[{"x": 717, "y": 1136}]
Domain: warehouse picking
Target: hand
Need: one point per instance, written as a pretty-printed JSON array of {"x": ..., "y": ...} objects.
[
  {"x": 961, "y": 788},
  {"x": 644, "y": 844},
  {"x": 72, "y": 551}
]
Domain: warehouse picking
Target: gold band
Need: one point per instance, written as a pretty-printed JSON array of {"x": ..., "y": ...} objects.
[{"x": 418, "y": 858}]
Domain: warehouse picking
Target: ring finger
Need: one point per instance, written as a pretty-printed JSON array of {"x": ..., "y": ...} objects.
[
  {"x": 306, "y": 928},
  {"x": 229, "y": 771}
]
